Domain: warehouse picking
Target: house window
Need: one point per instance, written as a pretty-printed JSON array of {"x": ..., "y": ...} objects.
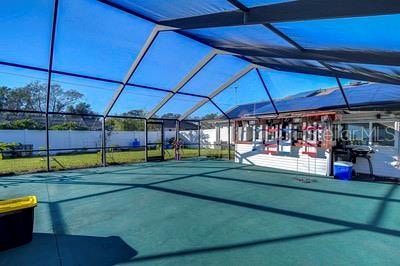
[
  {"x": 259, "y": 132},
  {"x": 355, "y": 134},
  {"x": 248, "y": 133},
  {"x": 240, "y": 132},
  {"x": 245, "y": 132},
  {"x": 383, "y": 134}
]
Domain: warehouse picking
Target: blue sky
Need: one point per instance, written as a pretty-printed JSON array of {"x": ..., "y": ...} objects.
[
  {"x": 25, "y": 28},
  {"x": 96, "y": 40},
  {"x": 363, "y": 33},
  {"x": 169, "y": 60}
]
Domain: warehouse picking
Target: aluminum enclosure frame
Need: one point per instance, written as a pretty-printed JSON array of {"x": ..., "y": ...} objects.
[{"x": 248, "y": 16}]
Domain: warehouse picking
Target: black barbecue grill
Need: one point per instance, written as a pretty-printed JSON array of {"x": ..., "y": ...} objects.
[{"x": 352, "y": 153}]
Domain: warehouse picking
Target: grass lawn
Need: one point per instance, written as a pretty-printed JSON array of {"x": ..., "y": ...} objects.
[{"x": 84, "y": 160}]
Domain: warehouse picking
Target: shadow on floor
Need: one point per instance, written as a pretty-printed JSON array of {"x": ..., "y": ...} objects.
[
  {"x": 72, "y": 250},
  {"x": 237, "y": 246}
]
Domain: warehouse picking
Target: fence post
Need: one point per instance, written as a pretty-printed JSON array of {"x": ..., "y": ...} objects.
[
  {"x": 49, "y": 75},
  {"x": 47, "y": 143},
  {"x": 176, "y": 130},
  {"x": 103, "y": 142},
  {"x": 145, "y": 140},
  {"x": 229, "y": 139},
  {"x": 199, "y": 137}
]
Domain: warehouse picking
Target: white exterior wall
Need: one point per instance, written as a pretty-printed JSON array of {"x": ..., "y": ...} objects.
[
  {"x": 292, "y": 159},
  {"x": 209, "y": 136},
  {"x": 384, "y": 162},
  {"x": 189, "y": 136}
]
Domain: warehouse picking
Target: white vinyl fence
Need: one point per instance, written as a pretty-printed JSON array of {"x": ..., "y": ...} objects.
[{"x": 75, "y": 139}]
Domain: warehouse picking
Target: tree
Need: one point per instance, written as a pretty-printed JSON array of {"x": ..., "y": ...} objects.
[
  {"x": 170, "y": 115},
  {"x": 124, "y": 124},
  {"x": 18, "y": 99},
  {"x": 5, "y": 125},
  {"x": 60, "y": 99},
  {"x": 135, "y": 113},
  {"x": 26, "y": 123},
  {"x": 4, "y": 91},
  {"x": 33, "y": 96},
  {"x": 36, "y": 96},
  {"x": 210, "y": 116},
  {"x": 80, "y": 108},
  {"x": 68, "y": 126},
  {"x": 127, "y": 124}
]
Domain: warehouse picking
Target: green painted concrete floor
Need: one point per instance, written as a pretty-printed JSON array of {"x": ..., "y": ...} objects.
[{"x": 203, "y": 212}]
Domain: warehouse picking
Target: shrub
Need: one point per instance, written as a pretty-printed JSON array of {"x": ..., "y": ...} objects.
[
  {"x": 26, "y": 123},
  {"x": 68, "y": 126},
  {"x": 9, "y": 146}
]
